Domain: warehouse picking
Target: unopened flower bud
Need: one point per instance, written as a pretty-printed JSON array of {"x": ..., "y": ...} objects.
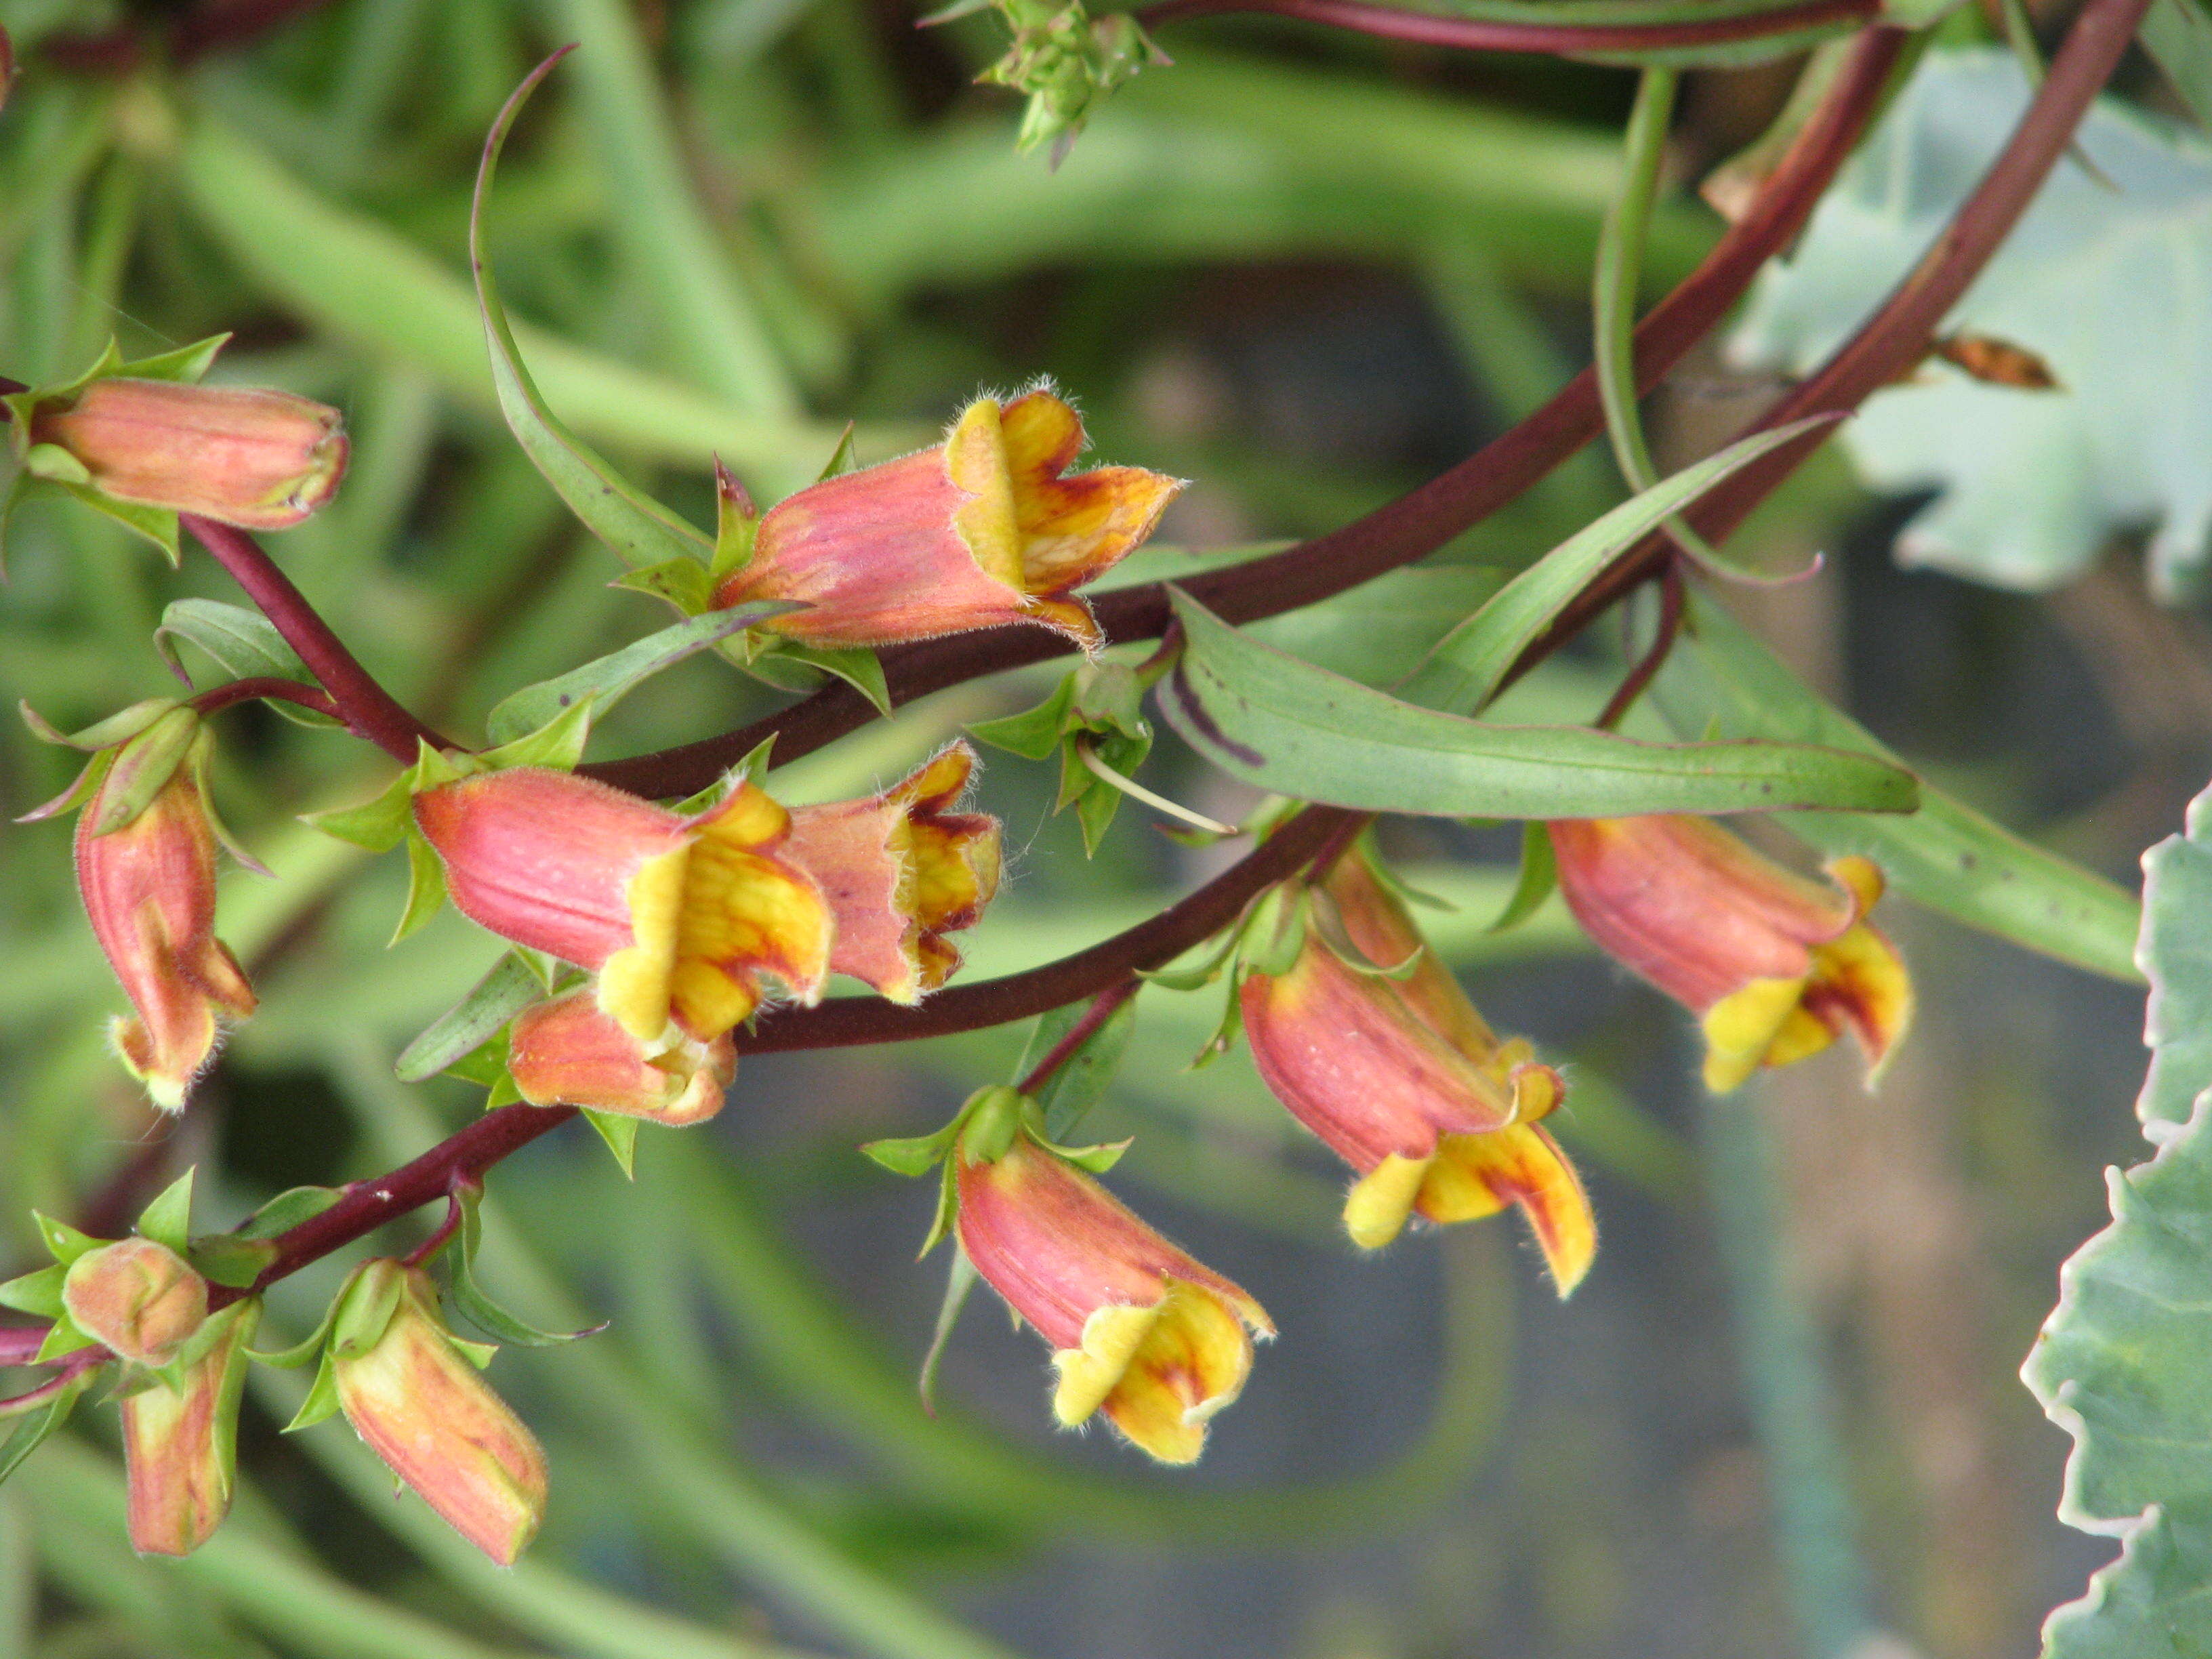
[
  {"x": 139, "y": 1298},
  {"x": 427, "y": 1412},
  {"x": 982, "y": 530},
  {"x": 1138, "y": 1328},
  {"x": 680, "y": 918},
  {"x": 148, "y": 890},
  {"x": 180, "y": 1445},
  {"x": 1775, "y": 966},
  {"x": 1389, "y": 1064},
  {"x": 257, "y": 458},
  {"x": 899, "y": 872},
  {"x": 570, "y": 1051}
]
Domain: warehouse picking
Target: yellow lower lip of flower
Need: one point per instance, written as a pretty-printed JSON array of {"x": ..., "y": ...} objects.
[
  {"x": 634, "y": 982},
  {"x": 1377, "y": 1208},
  {"x": 1158, "y": 1372},
  {"x": 1863, "y": 977},
  {"x": 1477, "y": 1175},
  {"x": 1741, "y": 1028}
]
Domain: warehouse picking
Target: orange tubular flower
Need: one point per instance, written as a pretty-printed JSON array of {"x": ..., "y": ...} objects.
[
  {"x": 570, "y": 1051},
  {"x": 149, "y": 889},
  {"x": 1774, "y": 965},
  {"x": 422, "y": 1407},
  {"x": 1138, "y": 1327},
  {"x": 980, "y": 531},
  {"x": 900, "y": 871},
  {"x": 1401, "y": 1078},
  {"x": 259, "y": 459},
  {"x": 681, "y": 918}
]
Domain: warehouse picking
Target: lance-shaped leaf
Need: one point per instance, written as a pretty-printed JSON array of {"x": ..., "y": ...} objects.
[
  {"x": 2120, "y": 1363},
  {"x": 1469, "y": 663},
  {"x": 606, "y": 680},
  {"x": 497, "y": 998},
  {"x": 640, "y": 530},
  {"x": 1285, "y": 725},
  {"x": 245, "y": 642},
  {"x": 1946, "y": 856}
]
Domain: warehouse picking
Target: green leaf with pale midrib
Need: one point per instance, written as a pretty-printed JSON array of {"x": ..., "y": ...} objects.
[{"x": 1285, "y": 725}]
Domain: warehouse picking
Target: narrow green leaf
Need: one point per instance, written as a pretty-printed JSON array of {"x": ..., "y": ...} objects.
[
  {"x": 119, "y": 728},
  {"x": 1539, "y": 874},
  {"x": 792, "y": 667},
  {"x": 244, "y": 643},
  {"x": 619, "y": 1132},
  {"x": 168, "y": 1219},
  {"x": 38, "y": 1293},
  {"x": 2177, "y": 35},
  {"x": 1285, "y": 725},
  {"x": 1081, "y": 1080},
  {"x": 1469, "y": 662},
  {"x": 426, "y": 887},
  {"x": 1945, "y": 856},
  {"x": 606, "y": 680},
  {"x": 640, "y": 530},
  {"x": 479, "y": 1308},
  {"x": 288, "y": 1210},
  {"x": 470, "y": 1024},
  {"x": 558, "y": 743},
  {"x": 33, "y": 1431},
  {"x": 959, "y": 1282}
]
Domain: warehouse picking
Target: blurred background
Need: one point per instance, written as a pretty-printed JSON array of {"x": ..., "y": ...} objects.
[{"x": 1307, "y": 271}]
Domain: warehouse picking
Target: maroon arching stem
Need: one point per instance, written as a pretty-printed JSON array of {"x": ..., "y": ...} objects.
[
  {"x": 365, "y": 705},
  {"x": 215, "y": 699},
  {"x": 1416, "y": 524},
  {"x": 1101, "y": 1009},
  {"x": 1473, "y": 35}
]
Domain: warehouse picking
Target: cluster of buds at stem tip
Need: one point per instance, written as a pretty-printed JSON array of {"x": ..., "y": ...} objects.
[
  {"x": 984, "y": 529},
  {"x": 146, "y": 869},
  {"x": 1139, "y": 1330},
  {"x": 1364, "y": 1035},
  {"x": 413, "y": 1392},
  {"x": 246, "y": 456},
  {"x": 1776, "y": 966}
]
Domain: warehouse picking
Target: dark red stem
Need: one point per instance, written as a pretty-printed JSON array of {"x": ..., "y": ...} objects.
[
  {"x": 215, "y": 700},
  {"x": 367, "y": 707},
  {"x": 1671, "y": 603},
  {"x": 367, "y": 1205},
  {"x": 1395, "y": 534},
  {"x": 1100, "y": 1010},
  {"x": 1472, "y": 34}
]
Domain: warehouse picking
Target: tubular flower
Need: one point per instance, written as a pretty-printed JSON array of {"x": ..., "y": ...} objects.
[
  {"x": 180, "y": 1445},
  {"x": 680, "y": 917},
  {"x": 415, "y": 1397},
  {"x": 980, "y": 531},
  {"x": 1401, "y": 1078},
  {"x": 139, "y": 1298},
  {"x": 570, "y": 1051},
  {"x": 899, "y": 872},
  {"x": 1774, "y": 965},
  {"x": 1138, "y": 1327},
  {"x": 149, "y": 889},
  {"x": 257, "y": 458}
]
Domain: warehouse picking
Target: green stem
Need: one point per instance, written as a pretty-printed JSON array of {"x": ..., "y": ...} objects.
[{"x": 1620, "y": 274}]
